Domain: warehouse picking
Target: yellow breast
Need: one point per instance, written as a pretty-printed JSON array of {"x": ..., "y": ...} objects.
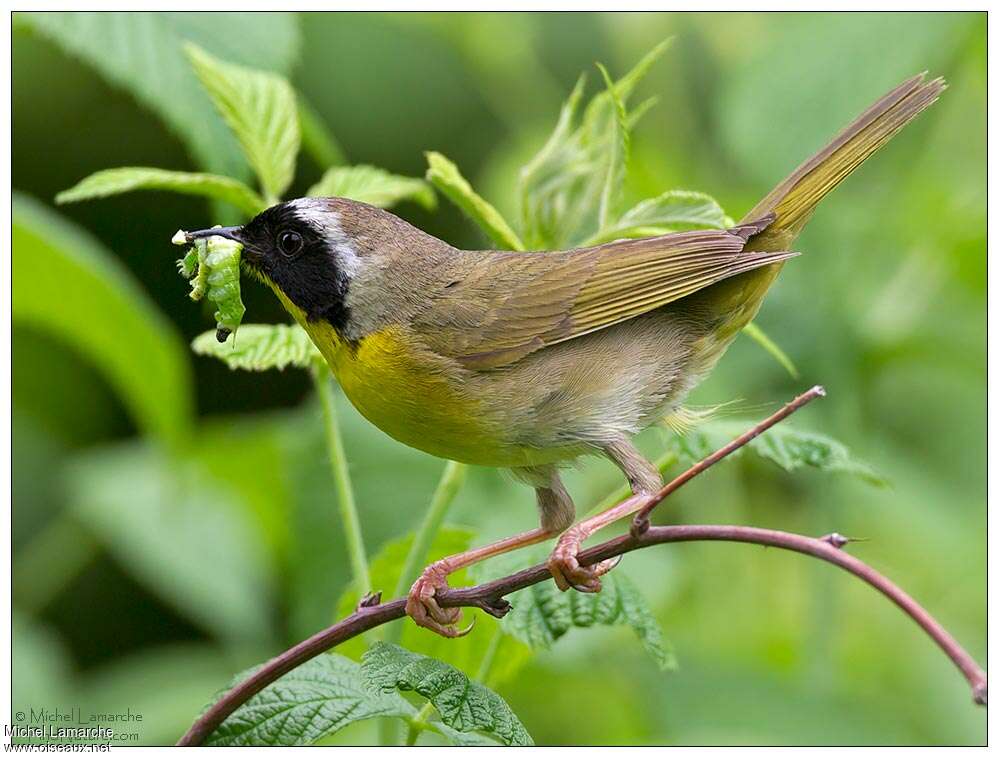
[
  {"x": 398, "y": 390},
  {"x": 419, "y": 398}
]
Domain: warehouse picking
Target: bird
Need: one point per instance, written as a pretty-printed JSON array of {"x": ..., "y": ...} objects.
[{"x": 529, "y": 360}]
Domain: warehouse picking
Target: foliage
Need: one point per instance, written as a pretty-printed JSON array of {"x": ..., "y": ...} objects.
[
  {"x": 541, "y": 618},
  {"x": 114, "y": 181},
  {"x": 143, "y": 52},
  {"x": 541, "y": 615},
  {"x": 62, "y": 272},
  {"x": 190, "y": 542},
  {"x": 444, "y": 175},
  {"x": 463, "y": 705},
  {"x": 314, "y": 700},
  {"x": 790, "y": 448},
  {"x": 262, "y": 112},
  {"x": 373, "y": 186},
  {"x": 261, "y": 347}
]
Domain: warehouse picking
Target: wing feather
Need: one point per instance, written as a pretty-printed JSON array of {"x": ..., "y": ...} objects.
[{"x": 513, "y": 304}]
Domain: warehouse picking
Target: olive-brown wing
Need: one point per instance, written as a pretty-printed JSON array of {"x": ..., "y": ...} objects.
[{"x": 503, "y": 306}]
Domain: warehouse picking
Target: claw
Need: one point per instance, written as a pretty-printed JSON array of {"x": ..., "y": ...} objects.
[
  {"x": 609, "y": 565},
  {"x": 423, "y": 608},
  {"x": 566, "y": 571},
  {"x": 590, "y": 589},
  {"x": 466, "y": 630}
]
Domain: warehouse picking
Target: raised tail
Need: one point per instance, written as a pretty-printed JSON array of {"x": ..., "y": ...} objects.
[
  {"x": 793, "y": 200},
  {"x": 736, "y": 300}
]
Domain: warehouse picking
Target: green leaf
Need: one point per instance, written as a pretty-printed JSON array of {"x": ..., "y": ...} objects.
[
  {"x": 317, "y": 140},
  {"x": 784, "y": 445},
  {"x": 675, "y": 210},
  {"x": 259, "y": 347},
  {"x": 316, "y": 699},
  {"x": 760, "y": 337},
  {"x": 115, "y": 181},
  {"x": 569, "y": 188},
  {"x": 374, "y": 186},
  {"x": 541, "y": 614},
  {"x": 141, "y": 52},
  {"x": 180, "y": 532},
  {"x": 61, "y": 272},
  {"x": 463, "y": 705},
  {"x": 625, "y": 86},
  {"x": 543, "y": 175},
  {"x": 617, "y": 162},
  {"x": 262, "y": 111},
  {"x": 635, "y": 612},
  {"x": 444, "y": 175}
]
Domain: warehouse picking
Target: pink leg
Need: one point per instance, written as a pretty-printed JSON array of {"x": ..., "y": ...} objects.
[
  {"x": 566, "y": 570},
  {"x": 421, "y": 605},
  {"x": 645, "y": 479}
]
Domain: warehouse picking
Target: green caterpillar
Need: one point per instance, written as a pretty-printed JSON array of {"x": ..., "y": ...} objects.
[{"x": 212, "y": 265}]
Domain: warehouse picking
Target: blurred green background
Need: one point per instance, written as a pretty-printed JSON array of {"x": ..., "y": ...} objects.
[{"x": 135, "y": 588}]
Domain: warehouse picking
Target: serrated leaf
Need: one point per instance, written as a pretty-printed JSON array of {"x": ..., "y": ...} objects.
[
  {"x": 635, "y": 612},
  {"x": 115, "y": 181},
  {"x": 675, "y": 210},
  {"x": 462, "y": 739},
  {"x": 262, "y": 111},
  {"x": 760, "y": 337},
  {"x": 784, "y": 445},
  {"x": 259, "y": 347},
  {"x": 318, "y": 698},
  {"x": 446, "y": 177},
  {"x": 463, "y": 705},
  {"x": 374, "y": 186},
  {"x": 61, "y": 273},
  {"x": 141, "y": 52},
  {"x": 617, "y": 163},
  {"x": 541, "y": 614},
  {"x": 543, "y": 170},
  {"x": 625, "y": 86},
  {"x": 569, "y": 188}
]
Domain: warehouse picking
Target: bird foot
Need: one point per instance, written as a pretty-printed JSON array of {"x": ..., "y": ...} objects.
[
  {"x": 422, "y": 606},
  {"x": 566, "y": 571}
]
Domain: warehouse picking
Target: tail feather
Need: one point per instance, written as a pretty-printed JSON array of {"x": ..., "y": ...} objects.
[{"x": 794, "y": 199}]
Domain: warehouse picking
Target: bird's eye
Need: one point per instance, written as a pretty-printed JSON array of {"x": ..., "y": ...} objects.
[{"x": 289, "y": 243}]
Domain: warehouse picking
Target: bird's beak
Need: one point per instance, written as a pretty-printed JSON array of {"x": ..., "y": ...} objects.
[{"x": 229, "y": 232}]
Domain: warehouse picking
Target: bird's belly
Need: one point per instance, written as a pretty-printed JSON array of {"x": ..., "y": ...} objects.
[
  {"x": 422, "y": 404},
  {"x": 559, "y": 403}
]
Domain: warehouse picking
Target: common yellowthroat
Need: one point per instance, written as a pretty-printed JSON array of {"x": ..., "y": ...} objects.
[{"x": 528, "y": 360}]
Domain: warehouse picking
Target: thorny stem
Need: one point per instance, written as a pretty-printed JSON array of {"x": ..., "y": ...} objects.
[
  {"x": 641, "y": 520},
  {"x": 489, "y": 597},
  {"x": 341, "y": 479}
]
